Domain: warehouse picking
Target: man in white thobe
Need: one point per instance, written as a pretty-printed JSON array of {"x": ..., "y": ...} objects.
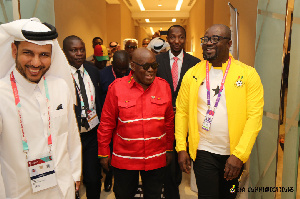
[{"x": 40, "y": 149}]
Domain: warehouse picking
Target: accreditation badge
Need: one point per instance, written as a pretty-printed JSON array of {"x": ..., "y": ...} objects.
[
  {"x": 208, "y": 119},
  {"x": 93, "y": 118},
  {"x": 42, "y": 174}
]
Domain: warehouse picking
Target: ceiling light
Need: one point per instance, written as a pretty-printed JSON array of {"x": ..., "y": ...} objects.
[
  {"x": 152, "y": 30},
  {"x": 147, "y": 20},
  {"x": 159, "y": 5},
  {"x": 174, "y": 20},
  {"x": 141, "y": 5},
  {"x": 160, "y": 28},
  {"x": 179, "y": 4}
]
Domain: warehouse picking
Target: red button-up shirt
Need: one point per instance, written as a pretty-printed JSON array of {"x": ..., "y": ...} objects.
[{"x": 141, "y": 123}]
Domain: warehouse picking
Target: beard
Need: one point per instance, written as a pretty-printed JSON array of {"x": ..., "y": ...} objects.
[
  {"x": 22, "y": 71},
  {"x": 211, "y": 57}
]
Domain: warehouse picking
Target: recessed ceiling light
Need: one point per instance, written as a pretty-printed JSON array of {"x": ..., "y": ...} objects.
[
  {"x": 152, "y": 30},
  {"x": 147, "y": 20},
  {"x": 179, "y": 4},
  {"x": 159, "y": 5},
  {"x": 174, "y": 20},
  {"x": 160, "y": 28},
  {"x": 141, "y": 5}
]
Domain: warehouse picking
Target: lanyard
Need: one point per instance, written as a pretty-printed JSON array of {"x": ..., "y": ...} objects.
[
  {"x": 222, "y": 84},
  {"x": 18, "y": 106},
  {"x": 79, "y": 92}
]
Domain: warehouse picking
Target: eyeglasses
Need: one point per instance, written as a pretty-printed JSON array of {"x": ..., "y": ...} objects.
[
  {"x": 133, "y": 47},
  {"x": 146, "y": 66},
  {"x": 214, "y": 39}
]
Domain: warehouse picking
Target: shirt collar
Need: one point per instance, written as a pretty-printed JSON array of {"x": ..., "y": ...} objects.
[
  {"x": 28, "y": 86},
  {"x": 74, "y": 70},
  {"x": 132, "y": 82},
  {"x": 224, "y": 65},
  {"x": 130, "y": 79},
  {"x": 180, "y": 56}
]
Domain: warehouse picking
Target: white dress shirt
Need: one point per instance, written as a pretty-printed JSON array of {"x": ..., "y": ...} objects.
[
  {"x": 89, "y": 87},
  {"x": 179, "y": 61},
  {"x": 66, "y": 147}
]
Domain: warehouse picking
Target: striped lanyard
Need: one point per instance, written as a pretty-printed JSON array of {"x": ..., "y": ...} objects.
[
  {"x": 222, "y": 84},
  {"x": 80, "y": 95},
  {"x": 18, "y": 106}
]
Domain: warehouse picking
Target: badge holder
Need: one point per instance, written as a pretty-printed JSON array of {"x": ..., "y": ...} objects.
[
  {"x": 42, "y": 173},
  {"x": 93, "y": 118},
  {"x": 208, "y": 120}
]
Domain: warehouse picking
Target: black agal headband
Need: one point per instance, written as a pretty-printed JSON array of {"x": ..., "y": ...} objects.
[
  {"x": 159, "y": 47},
  {"x": 41, "y": 36}
]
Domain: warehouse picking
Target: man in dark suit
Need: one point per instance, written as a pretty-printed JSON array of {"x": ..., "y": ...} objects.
[
  {"x": 88, "y": 110},
  {"x": 172, "y": 67}
]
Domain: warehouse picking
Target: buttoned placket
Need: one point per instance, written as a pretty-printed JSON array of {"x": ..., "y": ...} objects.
[{"x": 40, "y": 96}]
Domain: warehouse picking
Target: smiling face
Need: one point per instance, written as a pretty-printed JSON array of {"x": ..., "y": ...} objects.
[
  {"x": 141, "y": 76},
  {"x": 75, "y": 52},
  {"x": 32, "y": 60},
  {"x": 217, "y": 53},
  {"x": 176, "y": 39}
]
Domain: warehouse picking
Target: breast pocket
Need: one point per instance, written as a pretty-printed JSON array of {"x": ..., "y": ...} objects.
[
  {"x": 127, "y": 109},
  {"x": 158, "y": 106},
  {"x": 59, "y": 121}
]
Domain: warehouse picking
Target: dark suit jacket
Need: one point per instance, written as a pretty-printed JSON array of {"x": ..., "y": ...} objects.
[
  {"x": 164, "y": 70},
  {"x": 94, "y": 75}
]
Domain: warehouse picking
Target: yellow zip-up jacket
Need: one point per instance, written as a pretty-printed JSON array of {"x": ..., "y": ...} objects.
[{"x": 244, "y": 102}]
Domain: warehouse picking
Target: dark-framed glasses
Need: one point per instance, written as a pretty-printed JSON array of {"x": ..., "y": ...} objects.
[
  {"x": 146, "y": 66},
  {"x": 214, "y": 39}
]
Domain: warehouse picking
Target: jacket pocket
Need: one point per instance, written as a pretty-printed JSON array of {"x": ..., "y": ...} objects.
[
  {"x": 158, "y": 106},
  {"x": 127, "y": 109}
]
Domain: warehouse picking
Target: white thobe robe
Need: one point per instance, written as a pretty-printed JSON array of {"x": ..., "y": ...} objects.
[{"x": 66, "y": 148}]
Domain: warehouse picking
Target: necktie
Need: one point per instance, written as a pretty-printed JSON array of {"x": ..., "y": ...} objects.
[
  {"x": 84, "y": 121},
  {"x": 174, "y": 72}
]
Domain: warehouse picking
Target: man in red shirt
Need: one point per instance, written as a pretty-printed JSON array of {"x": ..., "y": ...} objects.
[{"x": 138, "y": 114}]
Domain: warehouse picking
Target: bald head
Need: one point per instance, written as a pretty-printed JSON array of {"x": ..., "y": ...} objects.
[
  {"x": 121, "y": 55},
  {"x": 222, "y": 29},
  {"x": 140, "y": 55},
  {"x": 120, "y": 63}
]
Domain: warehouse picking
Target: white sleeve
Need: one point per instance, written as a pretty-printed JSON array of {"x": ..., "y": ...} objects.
[{"x": 74, "y": 143}]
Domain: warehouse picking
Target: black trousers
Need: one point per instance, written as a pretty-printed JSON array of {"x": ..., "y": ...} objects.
[
  {"x": 91, "y": 168},
  {"x": 173, "y": 178},
  {"x": 126, "y": 183},
  {"x": 209, "y": 173}
]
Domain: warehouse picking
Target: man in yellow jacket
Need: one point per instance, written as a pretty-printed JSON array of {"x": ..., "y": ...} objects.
[{"x": 220, "y": 104}]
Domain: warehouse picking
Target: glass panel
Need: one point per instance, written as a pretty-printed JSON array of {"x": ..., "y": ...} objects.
[
  {"x": 42, "y": 9},
  {"x": 268, "y": 63},
  {"x": 6, "y": 13}
]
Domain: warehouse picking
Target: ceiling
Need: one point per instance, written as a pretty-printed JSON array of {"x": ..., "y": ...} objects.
[{"x": 160, "y": 17}]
